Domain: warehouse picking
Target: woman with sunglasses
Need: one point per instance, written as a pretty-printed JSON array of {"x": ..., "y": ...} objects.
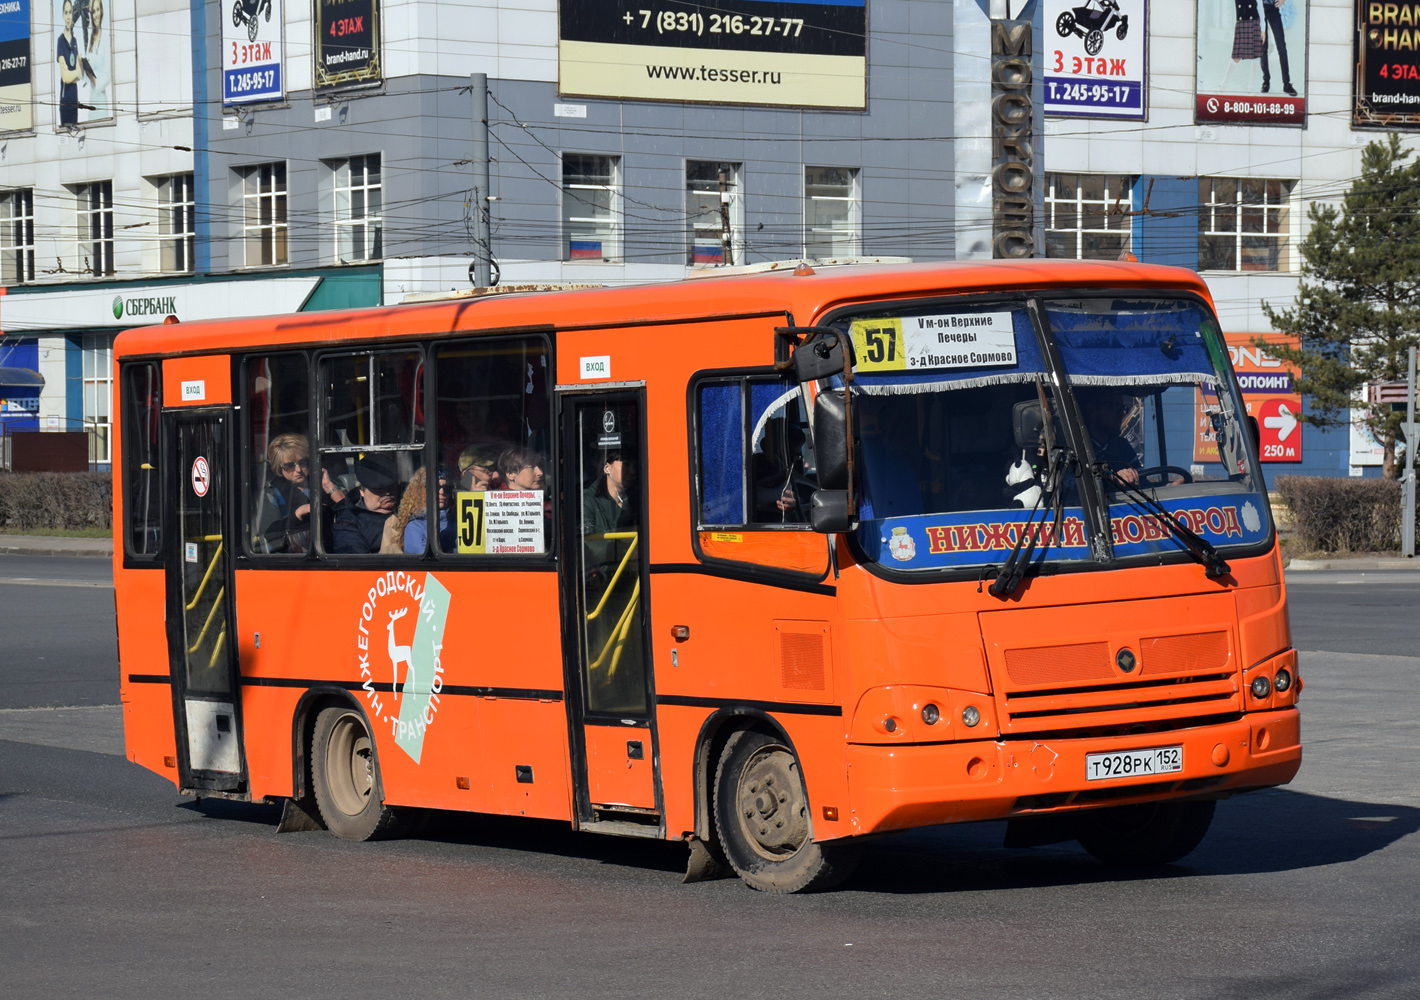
[{"x": 286, "y": 508}]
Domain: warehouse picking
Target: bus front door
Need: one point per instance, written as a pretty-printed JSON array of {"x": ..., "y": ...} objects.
[
  {"x": 201, "y": 636},
  {"x": 609, "y": 680}
]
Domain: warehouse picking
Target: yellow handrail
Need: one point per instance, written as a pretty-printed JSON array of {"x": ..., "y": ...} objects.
[
  {"x": 208, "y": 624},
  {"x": 210, "y": 567},
  {"x": 618, "y": 633},
  {"x": 622, "y": 633},
  {"x": 217, "y": 646},
  {"x": 612, "y": 536}
]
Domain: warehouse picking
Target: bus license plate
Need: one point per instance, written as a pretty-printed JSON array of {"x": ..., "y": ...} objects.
[{"x": 1133, "y": 763}]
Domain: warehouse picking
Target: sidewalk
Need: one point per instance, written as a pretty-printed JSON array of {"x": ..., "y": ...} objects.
[
  {"x": 49, "y": 545},
  {"x": 1366, "y": 562}
]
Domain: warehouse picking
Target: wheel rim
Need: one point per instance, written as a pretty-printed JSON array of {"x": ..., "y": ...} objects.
[
  {"x": 770, "y": 804},
  {"x": 350, "y": 765}
]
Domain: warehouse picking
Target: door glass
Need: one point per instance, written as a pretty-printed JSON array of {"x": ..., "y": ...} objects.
[
  {"x": 607, "y": 463},
  {"x": 201, "y": 447}
]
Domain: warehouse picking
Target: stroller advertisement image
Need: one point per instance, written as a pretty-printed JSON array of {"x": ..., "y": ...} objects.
[
  {"x": 1096, "y": 58},
  {"x": 252, "y": 43}
]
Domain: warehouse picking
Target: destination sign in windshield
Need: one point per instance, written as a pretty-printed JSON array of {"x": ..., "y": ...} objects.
[{"x": 942, "y": 340}]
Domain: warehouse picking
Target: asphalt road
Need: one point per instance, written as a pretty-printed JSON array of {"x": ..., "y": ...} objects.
[{"x": 113, "y": 885}]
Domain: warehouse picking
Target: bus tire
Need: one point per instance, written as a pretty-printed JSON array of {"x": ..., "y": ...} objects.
[
  {"x": 1152, "y": 833},
  {"x": 762, "y": 818},
  {"x": 345, "y": 777}
]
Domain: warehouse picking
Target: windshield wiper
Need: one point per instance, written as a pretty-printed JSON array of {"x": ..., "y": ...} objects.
[
  {"x": 1057, "y": 457},
  {"x": 1214, "y": 565},
  {"x": 1018, "y": 562}
]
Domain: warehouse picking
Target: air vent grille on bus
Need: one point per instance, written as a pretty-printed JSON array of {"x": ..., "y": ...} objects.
[
  {"x": 1085, "y": 661},
  {"x": 801, "y": 660},
  {"x": 1200, "y": 652}
]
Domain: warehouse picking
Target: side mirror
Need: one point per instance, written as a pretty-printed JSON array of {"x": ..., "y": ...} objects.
[
  {"x": 832, "y": 439},
  {"x": 821, "y": 355},
  {"x": 828, "y": 511},
  {"x": 1255, "y": 436},
  {"x": 1028, "y": 423}
]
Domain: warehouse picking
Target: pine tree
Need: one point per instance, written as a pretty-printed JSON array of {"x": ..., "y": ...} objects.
[{"x": 1358, "y": 304}]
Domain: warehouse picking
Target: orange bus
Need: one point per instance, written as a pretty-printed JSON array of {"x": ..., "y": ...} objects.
[{"x": 770, "y": 563}]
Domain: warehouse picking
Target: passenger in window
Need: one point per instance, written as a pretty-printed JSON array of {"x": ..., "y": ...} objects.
[
  {"x": 607, "y": 505},
  {"x": 521, "y": 469},
  {"x": 478, "y": 468},
  {"x": 285, "y": 519},
  {"x": 782, "y": 491},
  {"x": 1108, "y": 414},
  {"x": 412, "y": 519},
  {"x": 360, "y": 526}
]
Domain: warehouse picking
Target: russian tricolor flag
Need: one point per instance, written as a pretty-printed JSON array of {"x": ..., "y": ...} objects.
[{"x": 586, "y": 249}]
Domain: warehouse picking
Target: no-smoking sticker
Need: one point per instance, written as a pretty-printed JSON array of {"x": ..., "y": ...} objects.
[{"x": 201, "y": 476}]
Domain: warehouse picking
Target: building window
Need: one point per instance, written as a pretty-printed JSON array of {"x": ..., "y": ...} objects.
[
  {"x": 264, "y": 214},
  {"x": 1244, "y": 224},
  {"x": 359, "y": 222},
  {"x": 713, "y": 205},
  {"x": 176, "y": 229},
  {"x": 591, "y": 207},
  {"x": 1087, "y": 216},
  {"x": 97, "y": 350},
  {"x": 95, "y": 207},
  {"x": 17, "y": 236},
  {"x": 831, "y": 212}
]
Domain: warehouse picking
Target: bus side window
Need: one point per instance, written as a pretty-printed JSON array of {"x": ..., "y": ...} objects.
[
  {"x": 756, "y": 475},
  {"x": 494, "y": 413},
  {"x": 371, "y": 449},
  {"x": 278, "y": 506},
  {"x": 142, "y": 400}
]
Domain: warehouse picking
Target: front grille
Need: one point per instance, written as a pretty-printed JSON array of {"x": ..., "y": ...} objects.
[
  {"x": 1143, "y": 702},
  {"x": 1085, "y": 661},
  {"x": 1180, "y": 654}
]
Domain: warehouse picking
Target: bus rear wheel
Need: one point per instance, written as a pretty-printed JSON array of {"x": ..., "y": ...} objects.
[
  {"x": 1153, "y": 833},
  {"x": 346, "y": 778},
  {"x": 762, "y": 818}
]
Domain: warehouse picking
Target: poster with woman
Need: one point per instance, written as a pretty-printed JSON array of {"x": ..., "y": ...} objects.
[
  {"x": 1252, "y": 62},
  {"x": 83, "y": 61}
]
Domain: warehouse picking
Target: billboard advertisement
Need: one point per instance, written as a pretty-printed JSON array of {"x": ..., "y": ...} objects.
[
  {"x": 1269, "y": 388},
  {"x": 347, "y": 37},
  {"x": 1252, "y": 62},
  {"x": 810, "y": 55},
  {"x": 1096, "y": 58},
  {"x": 252, "y": 52},
  {"x": 1387, "y": 74},
  {"x": 16, "y": 83},
  {"x": 83, "y": 61}
]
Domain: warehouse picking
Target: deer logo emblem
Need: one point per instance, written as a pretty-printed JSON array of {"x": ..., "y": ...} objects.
[{"x": 399, "y": 654}]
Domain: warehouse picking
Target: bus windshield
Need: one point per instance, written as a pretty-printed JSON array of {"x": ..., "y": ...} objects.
[{"x": 947, "y": 481}]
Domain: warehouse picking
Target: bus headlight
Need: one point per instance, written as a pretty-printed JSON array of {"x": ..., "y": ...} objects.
[
  {"x": 970, "y": 716},
  {"x": 1283, "y": 680},
  {"x": 1261, "y": 687},
  {"x": 930, "y": 714}
]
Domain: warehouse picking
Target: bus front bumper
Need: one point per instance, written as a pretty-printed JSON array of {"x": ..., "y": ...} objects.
[{"x": 899, "y": 787}]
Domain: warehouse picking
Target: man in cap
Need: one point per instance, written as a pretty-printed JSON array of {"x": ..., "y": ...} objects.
[
  {"x": 478, "y": 468},
  {"x": 360, "y": 526}
]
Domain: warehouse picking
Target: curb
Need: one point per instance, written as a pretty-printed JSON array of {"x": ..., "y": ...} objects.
[
  {"x": 1392, "y": 563},
  {"x": 49, "y": 545}
]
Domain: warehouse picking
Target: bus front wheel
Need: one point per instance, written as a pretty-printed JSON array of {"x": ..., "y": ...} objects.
[
  {"x": 1153, "y": 833},
  {"x": 345, "y": 777},
  {"x": 762, "y": 818}
]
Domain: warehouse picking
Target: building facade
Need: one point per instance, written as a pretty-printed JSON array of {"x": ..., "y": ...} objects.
[{"x": 190, "y": 159}]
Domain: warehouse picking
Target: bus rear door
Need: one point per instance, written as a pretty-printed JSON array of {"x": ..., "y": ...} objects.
[
  {"x": 606, "y": 610},
  {"x": 202, "y": 647}
]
